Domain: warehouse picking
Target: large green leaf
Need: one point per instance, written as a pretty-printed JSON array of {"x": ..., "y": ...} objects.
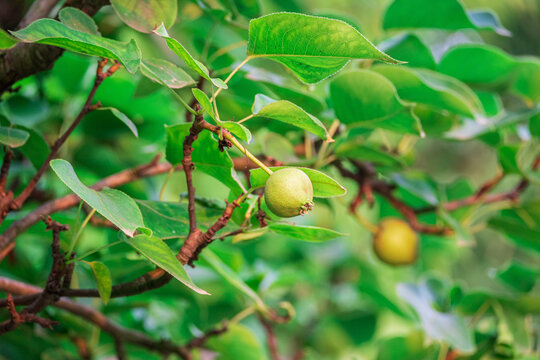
[
  {"x": 52, "y": 32},
  {"x": 13, "y": 137},
  {"x": 155, "y": 250},
  {"x": 146, "y": 16},
  {"x": 312, "y": 47},
  {"x": 431, "y": 88},
  {"x": 478, "y": 64},
  {"x": 183, "y": 54},
  {"x": 114, "y": 205},
  {"x": 440, "y": 14},
  {"x": 160, "y": 70},
  {"x": 304, "y": 233},
  {"x": 323, "y": 185},
  {"x": 368, "y": 99},
  {"x": 206, "y": 156},
  {"x": 231, "y": 277},
  {"x": 438, "y": 325},
  {"x": 288, "y": 113}
]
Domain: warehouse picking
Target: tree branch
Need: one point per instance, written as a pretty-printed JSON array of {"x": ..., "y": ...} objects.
[
  {"x": 26, "y": 59},
  {"x": 95, "y": 317},
  {"x": 87, "y": 107},
  {"x": 126, "y": 176}
]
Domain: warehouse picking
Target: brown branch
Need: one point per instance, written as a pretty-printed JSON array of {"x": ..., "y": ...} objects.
[
  {"x": 199, "y": 341},
  {"x": 52, "y": 290},
  {"x": 188, "y": 166},
  {"x": 192, "y": 247},
  {"x": 367, "y": 182},
  {"x": 87, "y": 107},
  {"x": 17, "y": 319},
  {"x": 82, "y": 347},
  {"x": 271, "y": 339},
  {"x": 8, "y": 237},
  {"x": 26, "y": 59},
  {"x": 95, "y": 317},
  {"x": 8, "y": 156}
]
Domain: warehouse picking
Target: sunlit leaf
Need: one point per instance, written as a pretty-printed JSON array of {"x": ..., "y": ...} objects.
[
  {"x": 113, "y": 204},
  {"x": 312, "y": 47},
  {"x": 52, "y": 32}
]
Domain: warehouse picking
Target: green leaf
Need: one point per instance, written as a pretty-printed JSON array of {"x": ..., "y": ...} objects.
[
  {"x": 13, "y": 137},
  {"x": 230, "y": 276},
  {"x": 286, "y": 89},
  {"x": 52, "y": 32},
  {"x": 204, "y": 101},
  {"x": 288, "y": 113},
  {"x": 323, "y": 185},
  {"x": 238, "y": 342},
  {"x": 237, "y": 129},
  {"x": 78, "y": 20},
  {"x": 417, "y": 187},
  {"x": 122, "y": 117},
  {"x": 351, "y": 149},
  {"x": 472, "y": 129},
  {"x": 526, "y": 77},
  {"x": 146, "y": 16},
  {"x": 169, "y": 220},
  {"x": 102, "y": 277},
  {"x": 206, "y": 156},
  {"x": 304, "y": 233},
  {"x": 486, "y": 65},
  {"x": 6, "y": 41},
  {"x": 518, "y": 276},
  {"x": 248, "y": 8},
  {"x": 35, "y": 148},
  {"x": 312, "y": 47},
  {"x": 431, "y": 88},
  {"x": 155, "y": 250},
  {"x": 183, "y": 54},
  {"x": 438, "y": 325},
  {"x": 520, "y": 233},
  {"x": 410, "y": 48},
  {"x": 440, "y": 14},
  {"x": 114, "y": 205},
  {"x": 160, "y": 70},
  {"x": 365, "y": 98}
]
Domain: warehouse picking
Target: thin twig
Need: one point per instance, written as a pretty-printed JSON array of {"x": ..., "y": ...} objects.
[
  {"x": 8, "y": 156},
  {"x": 271, "y": 339},
  {"x": 87, "y": 107}
]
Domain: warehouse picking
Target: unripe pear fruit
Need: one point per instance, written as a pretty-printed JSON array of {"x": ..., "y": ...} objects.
[
  {"x": 395, "y": 242},
  {"x": 288, "y": 192}
]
